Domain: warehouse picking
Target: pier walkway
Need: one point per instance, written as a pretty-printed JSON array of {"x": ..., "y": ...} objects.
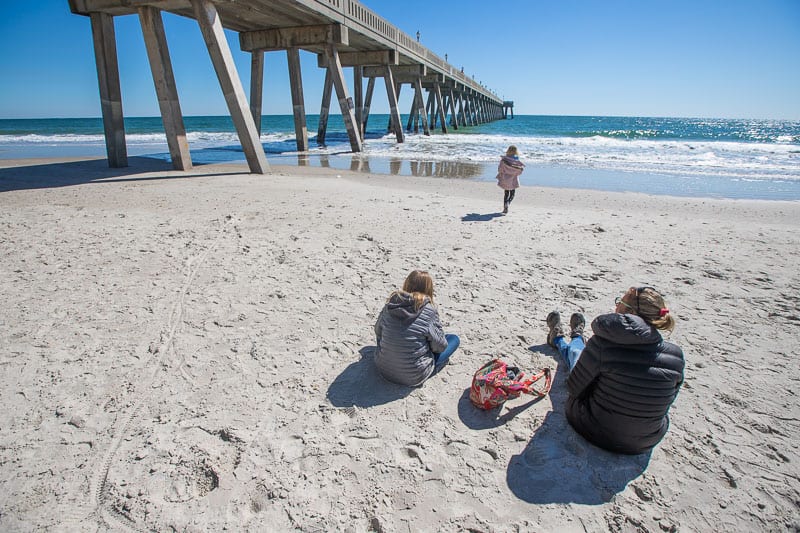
[{"x": 343, "y": 33}]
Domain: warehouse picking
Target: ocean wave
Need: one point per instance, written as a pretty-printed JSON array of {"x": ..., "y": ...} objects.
[
  {"x": 202, "y": 138},
  {"x": 734, "y": 159},
  {"x": 618, "y": 152}
]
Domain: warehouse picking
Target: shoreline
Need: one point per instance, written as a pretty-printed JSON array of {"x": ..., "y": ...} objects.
[
  {"x": 535, "y": 175},
  {"x": 192, "y": 350}
]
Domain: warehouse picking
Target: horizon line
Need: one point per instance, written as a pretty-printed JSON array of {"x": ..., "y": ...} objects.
[{"x": 684, "y": 117}]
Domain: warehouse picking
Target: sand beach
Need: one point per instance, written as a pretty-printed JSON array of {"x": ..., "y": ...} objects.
[{"x": 192, "y": 351}]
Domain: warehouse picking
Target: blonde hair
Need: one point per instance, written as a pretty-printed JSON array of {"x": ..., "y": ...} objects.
[
  {"x": 512, "y": 150},
  {"x": 419, "y": 284},
  {"x": 650, "y": 305}
]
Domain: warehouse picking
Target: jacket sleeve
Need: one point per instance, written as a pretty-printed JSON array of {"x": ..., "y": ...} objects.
[
  {"x": 379, "y": 325},
  {"x": 586, "y": 370},
  {"x": 436, "y": 335},
  {"x": 499, "y": 170}
]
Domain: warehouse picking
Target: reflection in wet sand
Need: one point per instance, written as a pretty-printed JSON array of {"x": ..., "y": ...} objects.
[
  {"x": 359, "y": 164},
  {"x": 399, "y": 167},
  {"x": 442, "y": 169}
]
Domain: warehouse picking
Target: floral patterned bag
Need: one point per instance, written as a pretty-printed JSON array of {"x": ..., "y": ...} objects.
[{"x": 496, "y": 382}]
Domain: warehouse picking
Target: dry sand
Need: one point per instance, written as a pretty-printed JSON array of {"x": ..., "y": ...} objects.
[{"x": 193, "y": 352}]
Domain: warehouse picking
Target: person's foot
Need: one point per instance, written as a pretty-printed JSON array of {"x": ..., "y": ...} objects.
[
  {"x": 505, "y": 208},
  {"x": 556, "y": 329},
  {"x": 576, "y": 325}
]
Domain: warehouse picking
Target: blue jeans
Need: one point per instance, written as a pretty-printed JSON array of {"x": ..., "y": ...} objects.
[
  {"x": 570, "y": 351},
  {"x": 440, "y": 359}
]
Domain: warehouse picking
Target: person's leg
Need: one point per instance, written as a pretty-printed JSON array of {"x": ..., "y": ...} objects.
[
  {"x": 573, "y": 350},
  {"x": 440, "y": 359},
  {"x": 511, "y": 195},
  {"x": 562, "y": 346},
  {"x": 505, "y": 201}
]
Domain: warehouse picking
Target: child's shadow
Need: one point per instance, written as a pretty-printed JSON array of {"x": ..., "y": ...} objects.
[
  {"x": 361, "y": 385},
  {"x": 477, "y": 217}
]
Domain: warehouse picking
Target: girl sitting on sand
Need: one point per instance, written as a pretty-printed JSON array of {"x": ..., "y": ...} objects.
[
  {"x": 508, "y": 175},
  {"x": 623, "y": 381},
  {"x": 411, "y": 344}
]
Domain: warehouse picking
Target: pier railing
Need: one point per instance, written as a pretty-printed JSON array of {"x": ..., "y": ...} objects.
[{"x": 354, "y": 14}]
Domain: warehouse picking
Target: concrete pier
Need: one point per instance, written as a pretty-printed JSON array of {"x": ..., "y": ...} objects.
[{"x": 343, "y": 33}]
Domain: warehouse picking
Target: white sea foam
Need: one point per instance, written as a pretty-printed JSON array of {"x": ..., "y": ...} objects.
[
  {"x": 204, "y": 138},
  {"x": 732, "y": 159},
  {"x": 678, "y": 157}
]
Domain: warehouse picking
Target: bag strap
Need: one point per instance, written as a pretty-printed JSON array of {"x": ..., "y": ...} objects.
[{"x": 527, "y": 385}]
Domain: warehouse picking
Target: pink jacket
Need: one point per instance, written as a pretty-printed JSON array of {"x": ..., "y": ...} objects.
[{"x": 508, "y": 172}]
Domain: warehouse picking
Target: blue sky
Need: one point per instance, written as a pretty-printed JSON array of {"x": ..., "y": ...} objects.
[{"x": 682, "y": 58}]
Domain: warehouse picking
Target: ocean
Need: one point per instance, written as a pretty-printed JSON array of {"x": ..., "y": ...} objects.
[{"x": 715, "y": 158}]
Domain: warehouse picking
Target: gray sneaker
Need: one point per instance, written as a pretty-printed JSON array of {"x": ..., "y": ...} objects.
[
  {"x": 576, "y": 325},
  {"x": 556, "y": 329}
]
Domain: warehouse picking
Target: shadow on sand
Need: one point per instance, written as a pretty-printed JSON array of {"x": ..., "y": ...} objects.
[
  {"x": 64, "y": 174},
  {"x": 477, "y": 217},
  {"x": 361, "y": 385},
  {"x": 560, "y": 466},
  {"x": 477, "y": 419}
]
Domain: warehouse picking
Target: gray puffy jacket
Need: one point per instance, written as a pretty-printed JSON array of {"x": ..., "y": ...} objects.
[{"x": 407, "y": 339}]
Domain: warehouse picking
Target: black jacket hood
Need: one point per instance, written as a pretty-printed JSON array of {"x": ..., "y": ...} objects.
[{"x": 625, "y": 329}]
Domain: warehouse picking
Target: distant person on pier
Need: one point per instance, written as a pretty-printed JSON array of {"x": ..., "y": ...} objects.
[
  {"x": 411, "y": 343},
  {"x": 508, "y": 175}
]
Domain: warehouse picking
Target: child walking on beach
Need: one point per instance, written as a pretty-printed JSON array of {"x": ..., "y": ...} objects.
[
  {"x": 508, "y": 175},
  {"x": 411, "y": 344}
]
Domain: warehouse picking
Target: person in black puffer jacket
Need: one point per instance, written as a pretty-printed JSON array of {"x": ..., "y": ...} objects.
[
  {"x": 623, "y": 381},
  {"x": 411, "y": 343}
]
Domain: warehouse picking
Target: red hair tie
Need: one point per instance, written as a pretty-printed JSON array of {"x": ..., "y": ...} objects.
[{"x": 663, "y": 311}]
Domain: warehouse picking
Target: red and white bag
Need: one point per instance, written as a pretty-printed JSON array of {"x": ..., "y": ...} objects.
[{"x": 496, "y": 382}]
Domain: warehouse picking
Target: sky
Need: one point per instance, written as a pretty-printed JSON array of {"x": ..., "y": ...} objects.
[{"x": 674, "y": 58}]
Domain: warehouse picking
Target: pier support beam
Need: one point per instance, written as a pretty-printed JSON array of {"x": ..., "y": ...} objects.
[
  {"x": 453, "y": 115},
  {"x": 325, "y": 108},
  {"x": 345, "y": 102},
  {"x": 298, "y": 104},
  {"x": 358, "y": 94},
  {"x": 413, "y": 115},
  {"x": 430, "y": 109},
  {"x": 421, "y": 103},
  {"x": 394, "y": 113},
  {"x": 440, "y": 106},
  {"x": 155, "y": 41},
  {"x": 367, "y": 104},
  {"x": 256, "y": 86},
  {"x": 222, "y": 59},
  {"x": 105, "y": 55},
  {"x": 461, "y": 111}
]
